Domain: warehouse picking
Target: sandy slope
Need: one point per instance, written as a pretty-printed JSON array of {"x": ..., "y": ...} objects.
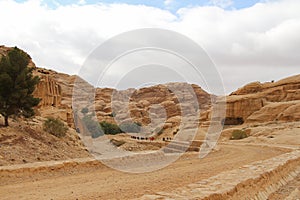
[
  {"x": 105, "y": 183},
  {"x": 27, "y": 142}
]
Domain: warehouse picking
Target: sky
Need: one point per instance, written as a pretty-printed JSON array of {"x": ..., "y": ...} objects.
[{"x": 247, "y": 40}]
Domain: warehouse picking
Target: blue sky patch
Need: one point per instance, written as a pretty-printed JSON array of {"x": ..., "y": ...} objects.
[{"x": 171, "y": 5}]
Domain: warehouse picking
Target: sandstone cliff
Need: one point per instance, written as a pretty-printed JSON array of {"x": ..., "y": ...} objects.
[
  {"x": 25, "y": 140},
  {"x": 172, "y": 98},
  {"x": 255, "y": 102},
  {"x": 165, "y": 102},
  {"x": 264, "y": 102}
]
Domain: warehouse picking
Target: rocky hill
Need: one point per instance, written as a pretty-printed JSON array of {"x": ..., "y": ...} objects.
[
  {"x": 254, "y": 103},
  {"x": 263, "y": 163},
  {"x": 145, "y": 104},
  {"x": 25, "y": 140},
  {"x": 264, "y": 102}
]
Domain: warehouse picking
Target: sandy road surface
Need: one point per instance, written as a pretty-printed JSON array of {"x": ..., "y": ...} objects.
[{"x": 106, "y": 183}]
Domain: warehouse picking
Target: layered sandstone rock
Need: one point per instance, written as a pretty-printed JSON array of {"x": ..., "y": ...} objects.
[
  {"x": 156, "y": 106},
  {"x": 160, "y": 105},
  {"x": 48, "y": 90},
  {"x": 264, "y": 102},
  {"x": 255, "y": 102},
  {"x": 279, "y": 111},
  {"x": 55, "y": 92}
]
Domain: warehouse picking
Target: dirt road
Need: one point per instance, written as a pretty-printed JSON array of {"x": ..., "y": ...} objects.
[{"x": 106, "y": 183}]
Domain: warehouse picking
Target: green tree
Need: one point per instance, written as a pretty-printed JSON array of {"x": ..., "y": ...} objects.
[{"x": 17, "y": 85}]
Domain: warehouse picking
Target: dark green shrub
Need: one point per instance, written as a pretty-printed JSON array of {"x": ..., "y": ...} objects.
[
  {"x": 84, "y": 110},
  {"x": 93, "y": 126},
  {"x": 55, "y": 127},
  {"x": 113, "y": 114},
  {"x": 117, "y": 143},
  {"x": 129, "y": 127},
  {"x": 238, "y": 135},
  {"x": 110, "y": 129}
]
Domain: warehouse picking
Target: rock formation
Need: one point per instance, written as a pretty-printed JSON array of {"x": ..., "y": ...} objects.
[
  {"x": 164, "y": 103},
  {"x": 169, "y": 97},
  {"x": 55, "y": 91},
  {"x": 264, "y": 102},
  {"x": 48, "y": 90},
  {"x": 256, "y": 102}
]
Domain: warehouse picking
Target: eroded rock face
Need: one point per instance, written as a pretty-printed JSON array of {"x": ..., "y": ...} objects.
[
  {"x": 161, "y": 103},
  {"x": 55, "y": 92},
  {"x": 48, "y": 90},
  {"x": 255, "y": 102},
  {"x": 274, "y": 101}
]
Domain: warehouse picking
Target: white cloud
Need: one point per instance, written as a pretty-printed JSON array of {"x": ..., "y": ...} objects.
[
  {"x": 168, "y": 2},
  {"x": 81, "y": 2},
  {"x": 222, "y": 3},
  {"x": 256, "y": 43},
  {"x": 63, "y": 38}
]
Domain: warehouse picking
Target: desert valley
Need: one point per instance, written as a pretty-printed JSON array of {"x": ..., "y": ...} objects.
[{"x": 257, "y": 155}]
